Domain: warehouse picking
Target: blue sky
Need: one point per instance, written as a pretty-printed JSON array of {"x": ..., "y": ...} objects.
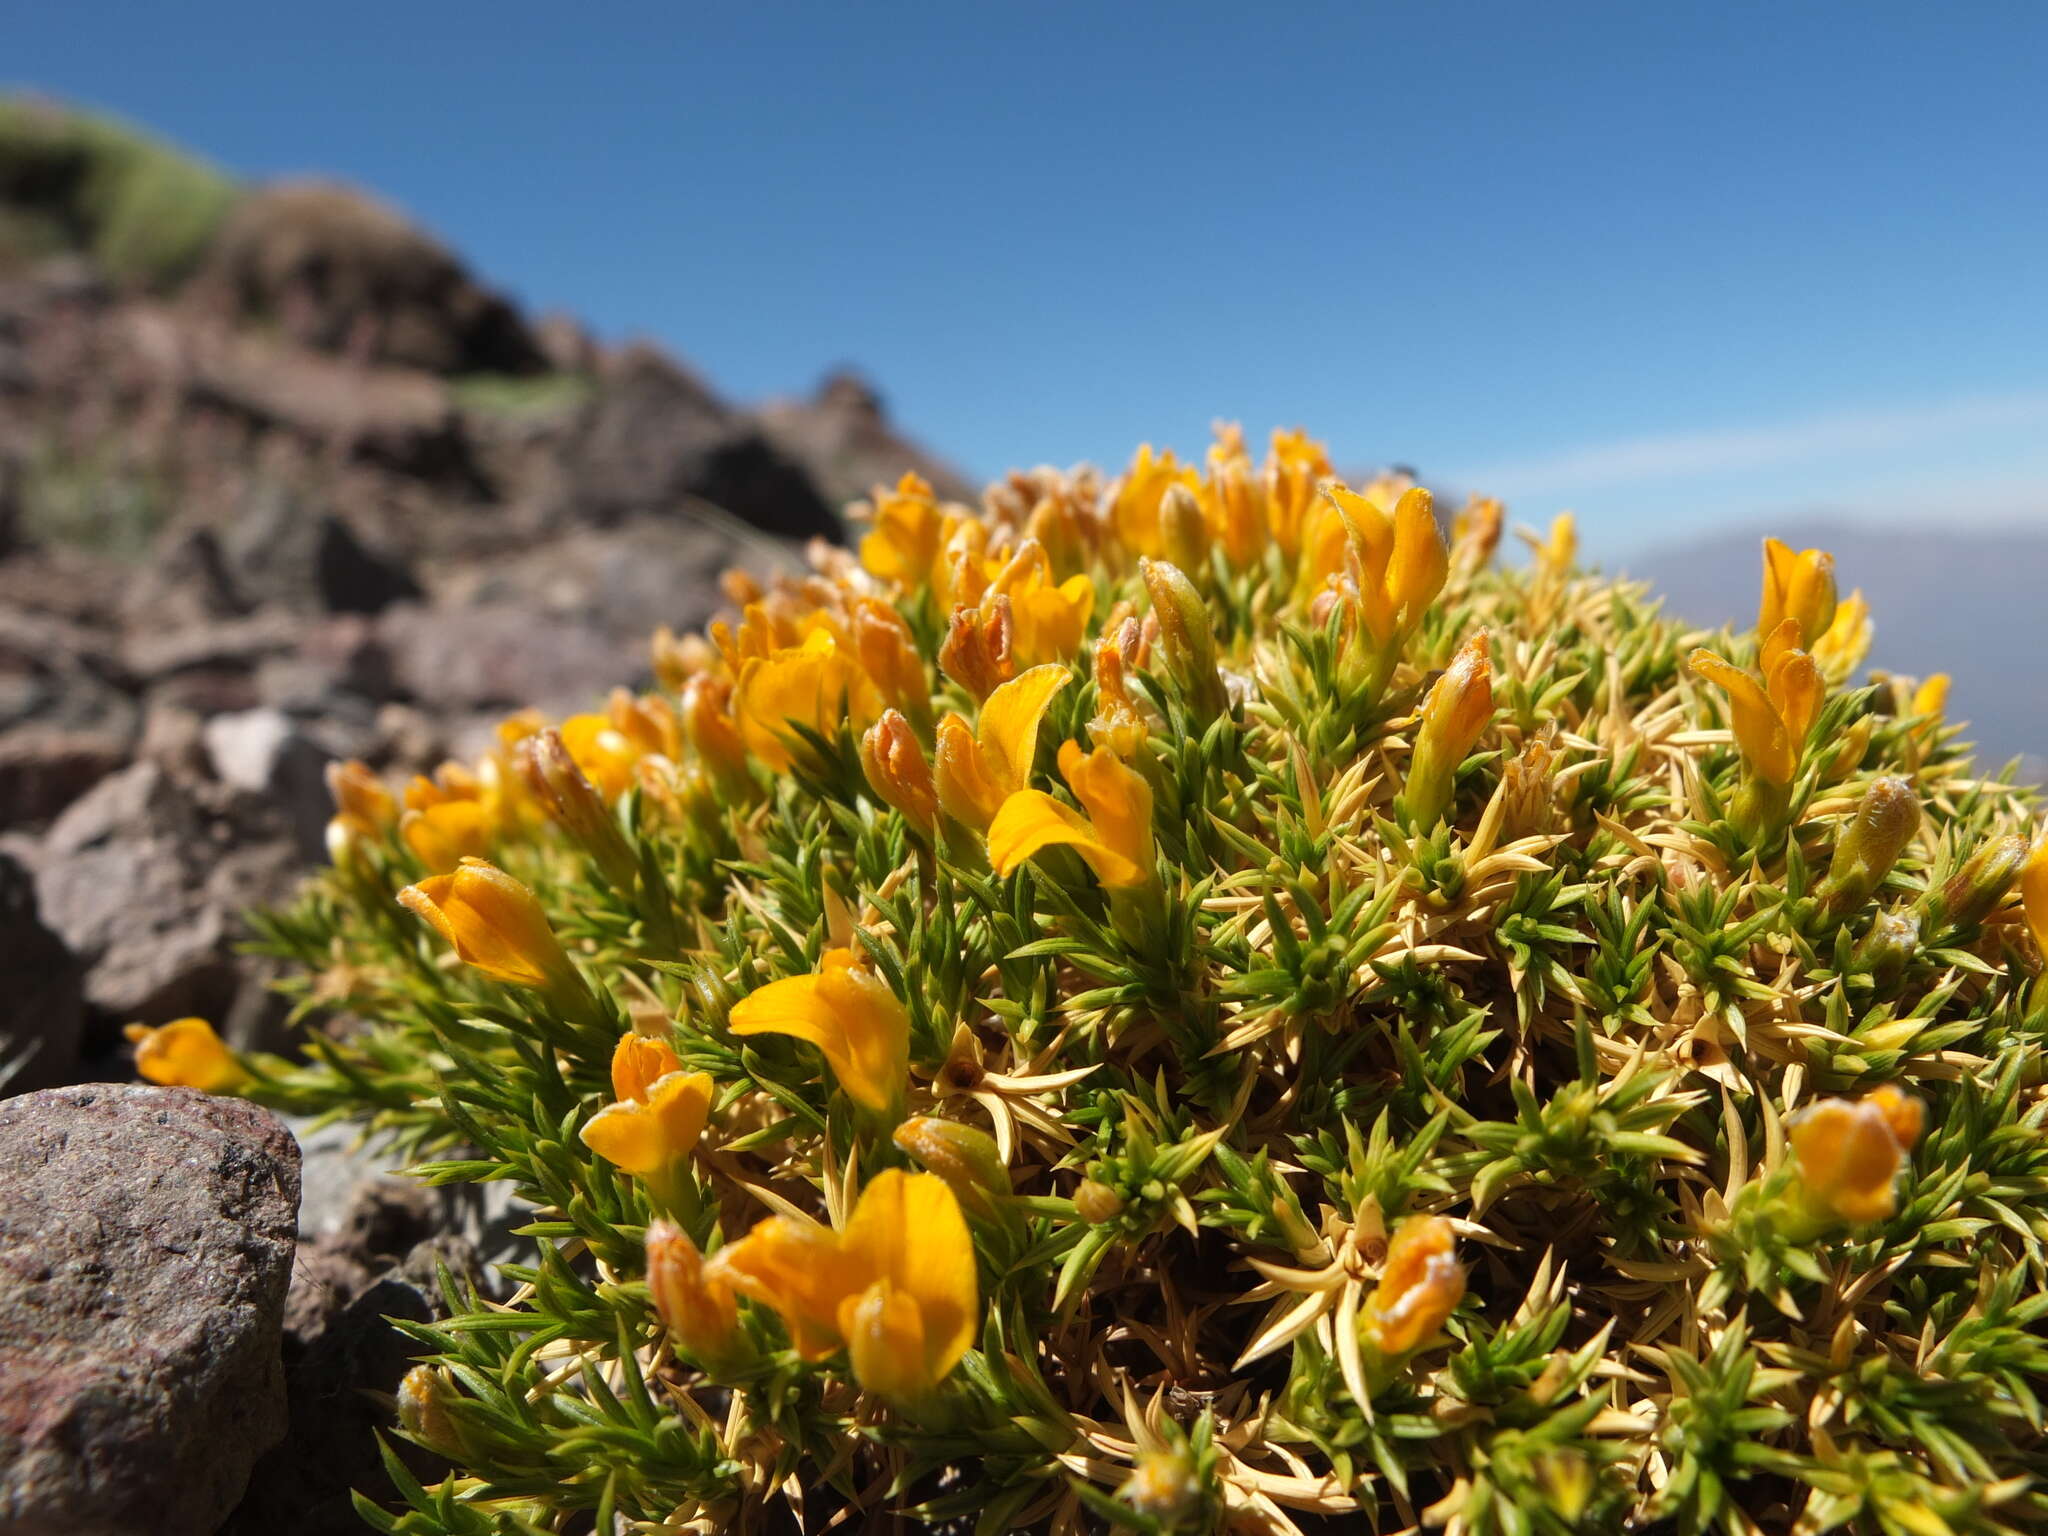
[{"x": 1671, "y": 266}]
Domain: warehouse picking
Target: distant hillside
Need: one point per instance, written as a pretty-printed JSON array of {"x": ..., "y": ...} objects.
[{"x": 1958, "y": 600}]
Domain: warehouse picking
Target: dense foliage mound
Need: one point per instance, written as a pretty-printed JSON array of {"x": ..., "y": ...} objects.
[{"x": 1196, "y": 1002}]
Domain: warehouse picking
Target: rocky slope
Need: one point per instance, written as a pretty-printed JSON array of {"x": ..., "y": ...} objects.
[{"x": 282, "y": 480}]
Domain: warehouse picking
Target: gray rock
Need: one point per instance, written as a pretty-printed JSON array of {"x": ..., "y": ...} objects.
[
  {"x": 282, "y": 550},
  {"x": 42, "y": 1007},
  {"x": 264, "y": 751},
  {"x": 144, "y": 879},
  {"x": 146, "y": 1240}
]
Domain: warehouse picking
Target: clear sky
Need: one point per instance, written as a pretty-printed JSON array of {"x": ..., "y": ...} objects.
[{"x": 1668, "y": 265}]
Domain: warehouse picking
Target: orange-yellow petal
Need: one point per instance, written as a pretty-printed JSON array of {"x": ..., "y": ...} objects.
[
  {"x": 907, "y": 1229},
  {"x": 850, "y": 1014},
  {"x": 186, "y": 1053},
  {"x": 493, "y": 922},
  {"x": 1032, "y": 821},
  {"x": 638, "y": 1062},
  {"x": 1758, "y": 731}
]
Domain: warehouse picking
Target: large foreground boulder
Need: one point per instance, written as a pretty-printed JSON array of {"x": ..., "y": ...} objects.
[{"x": 146, "y": 1239}]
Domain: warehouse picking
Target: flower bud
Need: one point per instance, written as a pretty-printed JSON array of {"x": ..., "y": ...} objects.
[
  {"x": 698, "y": 1310},
  {"x": 1097, "y": 1203},
  {"x": 978, "y": 652},
  {"x": 1869, "y": 843},
  {"x": 1186, "y": 639},
  {"x": 1118, "y": 723},
  {"x": 186, "y": 1053},
  {"x": 967, "y": 1159},
  {"x": 1163, "y": 1485},
  {"x": 422, "y": 1409},
  {"x": 1183, "y": 532},
  {"x": 1458, "y": 709},
  {"x": 897, "y": 770},
  {"x": 1421, "y": 1283},
  {"x": 574, "y": 804},
  {"x": 496, "y": 924},
  {"x": 1888, "y": 948},
  {"x": 1974, "y": 891}
]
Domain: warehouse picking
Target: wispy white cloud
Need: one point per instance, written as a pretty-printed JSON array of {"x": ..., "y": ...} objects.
[{"x": 1695, "y": 455}]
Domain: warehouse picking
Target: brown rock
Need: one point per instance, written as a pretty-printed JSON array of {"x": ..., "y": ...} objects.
[
  {"x": 146, "y": 1239},
  {"x": 338, "y": 271}
]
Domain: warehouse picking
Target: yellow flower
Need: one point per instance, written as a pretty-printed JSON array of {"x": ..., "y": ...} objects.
[
  {"x": 979, "y": 769},
  {"x": 897, "y": 1288},
  {"x": 847, "y": 1012},
  {"x": 814, "y": 685},
  {"x": 1931, "y": 697},
  {"x": 888, "y": 653},
  {"x": 906, "y": 535},
  {"x": 895, "y": 765},
  {"x": 1459, "y": 707},
  {"x": 1842, "y": 646},
  {"x": 1234, "y": 501},
  {"x": 698, "y": 1308},
  {"x": 186, "y": 1053},
  {"x": 1421, "y": 1283},
  {"x": 1770, "y": 724},
  {"x": 675, "y": 659},
  {"x": 363, "y": 809},
  {"x": 979, "y": 651},
  {"x": 1398, "y": 563},
  {"x": 647, "y": 721},
  {"x": 1799, "y": 586},
  {"x": 604, "y": 754},
  {"x": 638, "y": 1062},
  {"x": 1115, "y": 836},
  {"x": 359, "y": 793},
  {"x": 442, "y": 836},
  {"x": 713, "y": 735},
  {"x": 1134, "y": 508},
  {"x": 1849, "y": 1152},
  {"x": 495, "y": 924},
  {"x": 1048, "y": 621},
  {"x": 1559, "y": 549},
  {"x": 649, "y": 1137},
  {"x": 2034, "y": 894},
  {"x": 1295, "y": 469}
]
